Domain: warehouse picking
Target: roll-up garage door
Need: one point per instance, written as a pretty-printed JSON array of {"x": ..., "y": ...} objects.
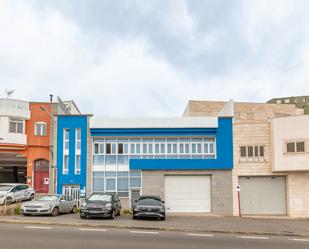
[
  {"x": 263, "y": 195},
  {"x": 188, "y": 193}
]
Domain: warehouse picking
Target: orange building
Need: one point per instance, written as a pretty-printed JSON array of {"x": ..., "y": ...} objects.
[{"x": 39, "y": 149}]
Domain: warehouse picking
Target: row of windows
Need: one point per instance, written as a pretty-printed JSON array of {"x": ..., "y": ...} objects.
[
  {"x": 252, "y": 152},
  {"x": 17, "y": 126},
  {"x": 295, "y": 147},
  {"x": 155, "y": 147},
  {"x": 116, "y": 181},
  {"x": 66, "y": 151}
]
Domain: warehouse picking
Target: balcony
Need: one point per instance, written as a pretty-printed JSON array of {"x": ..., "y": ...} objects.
[{"x": 14, "y": 108}]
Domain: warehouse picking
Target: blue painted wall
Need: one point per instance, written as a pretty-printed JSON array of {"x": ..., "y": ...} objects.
[
  {"x": 224, "y": 146},
  {"x": 224, "y": 153},
  {"x": 71, "y": 123}
]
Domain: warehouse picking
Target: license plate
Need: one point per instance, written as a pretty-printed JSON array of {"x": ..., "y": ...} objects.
[{"x": 94, "y": 212}]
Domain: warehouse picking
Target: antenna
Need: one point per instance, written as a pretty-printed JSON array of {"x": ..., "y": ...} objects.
[{"x": 9, "y": 93}]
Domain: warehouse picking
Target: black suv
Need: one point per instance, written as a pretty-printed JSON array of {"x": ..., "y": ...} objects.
[
  {"x": 149, "y": 207},
  {"x": 101, "y": 205}
]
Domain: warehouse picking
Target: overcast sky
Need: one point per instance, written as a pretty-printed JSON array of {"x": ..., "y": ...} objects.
[{"x": 148, "y": 58}]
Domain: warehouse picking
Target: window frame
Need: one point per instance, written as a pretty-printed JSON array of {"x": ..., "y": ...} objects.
[{"x": 36, "y": 133}]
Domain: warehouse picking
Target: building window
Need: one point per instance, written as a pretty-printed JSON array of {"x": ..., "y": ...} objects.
[
  {"x": 77, "y": 164},
  {"x": 40, "y": 129},
  {"x": 16, "y": 126},
  {"x": 78, "y": 138},
  {"x": 251, "y": 153},
  {"x": 77, "y": 150},
  {"x": 295, "y": 147},
  {"x": 65, "y": 151}
]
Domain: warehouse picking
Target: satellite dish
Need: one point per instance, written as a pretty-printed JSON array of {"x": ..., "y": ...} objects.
[{"x": 9, "y": 93}]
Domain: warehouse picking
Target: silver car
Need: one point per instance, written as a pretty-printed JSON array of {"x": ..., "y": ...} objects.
[
  {"x": 49, "y": 204},
  {"x": 13, "y": 192}
]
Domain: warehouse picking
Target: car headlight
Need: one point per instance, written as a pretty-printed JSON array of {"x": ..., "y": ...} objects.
[
  {"x": 46, "y": 206},
  {"x": 1, "y": 195},
  {"x": 108, "y": 205},
  {"x": 84, "y": 205},
  {"x": 135, "y": 209}
]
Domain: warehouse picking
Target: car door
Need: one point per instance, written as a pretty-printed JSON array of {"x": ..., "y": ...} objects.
[
  {"x": 24, "y": 191},
  {"x": 117, "y": 204},
  {"x": 62, "y": 204},
  {"x": 16, "y": 193},
  {"x": 69, "y": 203}
]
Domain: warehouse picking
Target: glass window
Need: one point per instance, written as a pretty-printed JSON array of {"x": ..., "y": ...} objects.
[
  {"x": 98, "y": 183},
  {"x": 66, "y": 138},
  {"x": 101, "y": 148},
  {"x": 261, "y": 151},
  {"x": 150, "y": 148},
  {"x": 120, "y": 149},
  {"x": 98, "y": 159},
  {"x": 157, "y": 148},
  {"x": 110, "y": 184},
  {"x": 206, "y": 151},
  {"x": 193, "y": 148},
  {"x": 243, "y": 151},
  {"x": 78, "y": 139},
  {"x": 250, "y": 151},
  {"x": 300, "y": 147},
  {"x": 77, "y": 164},
  {"x": 125, "y": 148},
  {"x": 181, "y": 148},
  {"x": 132, "y": 148},
  {"x": 40, "y": 129},
  {"x": 135, "y": 182},
  {"x": 169, "y": 148},
  {"x": 96, "y": 148},
  {"x": 123, "y": 184},
  {"x": 123, "y": 194},
  {"x": 211, "y": 148},
  {"x": 16, "y": 126},
  {"x": 108, "y": 149},
  {"x": 113, "y": 148},
  {"x": 187, "y": 148},
  {"x": 144, "y": 148},
  {"x": 162, "y": 148},
  {"x": 111, "y": 159},
  {"x": 175, "y": 148},
  {"x": 256, "y": 151},
  {"x": 66, "y": 164},
  {"x": 290, "y": 147},
  {"x": 122, "y": 159}
]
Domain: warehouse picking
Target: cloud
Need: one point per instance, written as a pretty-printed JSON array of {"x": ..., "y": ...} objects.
[{"x": 148, "y": 58}]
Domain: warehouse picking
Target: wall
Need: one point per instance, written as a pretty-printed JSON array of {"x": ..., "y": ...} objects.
[
  {"x": 290, "y": 129},
  {"x": 221, "y": 186},
  {"x": 71, "y": 122}
]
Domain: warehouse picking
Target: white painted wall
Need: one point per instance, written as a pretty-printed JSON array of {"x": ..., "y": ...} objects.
[
  {"x": 290, "y": 129},
  {"x": 11, "y": 108}
]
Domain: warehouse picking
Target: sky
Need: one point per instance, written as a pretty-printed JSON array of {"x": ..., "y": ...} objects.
[{"x": 148, "y": 58}]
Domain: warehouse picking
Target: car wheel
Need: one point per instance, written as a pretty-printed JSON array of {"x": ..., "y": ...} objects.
[
  {"x": 31, "y": 197},
  {"x": 113, "y": 214},
  {"x": 73, "y": 211},
  {"x": 83, "y": 216},
  {"x": 163, "y": 218},
  {"x": 9, "y": 200},
  {"x": 55, "y": 211}
]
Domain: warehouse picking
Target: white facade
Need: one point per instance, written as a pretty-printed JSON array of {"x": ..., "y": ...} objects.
[
  {"x": 13, "y": 110},
  {"x": 290, "y": 137}
]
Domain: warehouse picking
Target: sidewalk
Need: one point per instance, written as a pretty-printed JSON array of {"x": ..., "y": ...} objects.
[{"x": 276, "y": 226}]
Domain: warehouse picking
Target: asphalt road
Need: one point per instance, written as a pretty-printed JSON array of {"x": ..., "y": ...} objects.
[{"x": 21, "y": 236}]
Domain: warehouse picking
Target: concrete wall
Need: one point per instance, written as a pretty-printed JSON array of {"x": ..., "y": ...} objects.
[
  {"x": 290, "y": 129},
  {"x": 221, "y": 184}
]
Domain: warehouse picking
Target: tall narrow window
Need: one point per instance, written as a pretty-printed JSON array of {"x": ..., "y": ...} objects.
[
  {"x": 65, "y": 151},
  {"x": 77, "y": 150}
]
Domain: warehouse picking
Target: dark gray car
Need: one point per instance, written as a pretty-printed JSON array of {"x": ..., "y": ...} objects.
[
  {"x": 101, "y": 205},
  {"x": 49, "y": 204},
  {"x": 149, "y": 207}
]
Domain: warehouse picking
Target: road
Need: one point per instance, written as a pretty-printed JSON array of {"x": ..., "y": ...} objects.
[{"x": 22, "y": 236}]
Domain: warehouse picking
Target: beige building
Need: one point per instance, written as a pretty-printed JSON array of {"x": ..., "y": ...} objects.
[{"x": 272, "y": 181}]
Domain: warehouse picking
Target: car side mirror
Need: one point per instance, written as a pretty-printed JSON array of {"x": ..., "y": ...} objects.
[
  {"x": 163, "y": 201},
  {"x": 135, "y": 201}
]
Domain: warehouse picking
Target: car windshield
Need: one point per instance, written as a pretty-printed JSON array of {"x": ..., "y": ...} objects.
[
  {"x": 100, "y": 197},
  {"x": 47, "y": 198},
  {"x": 149, "y": 201},
  {"x": 157, "y": 198},
  {"x": 5, "y": 187}
]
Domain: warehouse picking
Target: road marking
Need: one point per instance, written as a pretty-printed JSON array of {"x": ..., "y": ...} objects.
[
  {"x": 92, "y": 229},
  {"x": 144, "y": 232},
  {"x": 32, "y": 227},
  {"x": 251, "y": 237},
  {"x": 305, "y": 240},
  {"x": 199, "y": 234}
]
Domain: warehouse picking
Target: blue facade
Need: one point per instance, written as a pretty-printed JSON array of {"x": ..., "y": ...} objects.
[
  {"x": 224, "y": 146},
  {"x": 71, "y": 177}
]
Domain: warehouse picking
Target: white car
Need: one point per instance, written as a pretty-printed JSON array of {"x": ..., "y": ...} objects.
[{"x": 13, "y": 192}]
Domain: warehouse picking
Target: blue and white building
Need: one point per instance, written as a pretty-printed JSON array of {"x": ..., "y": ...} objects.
[
  {"x": 188, "y": 161},
  {"x": 185, "y": 160}
]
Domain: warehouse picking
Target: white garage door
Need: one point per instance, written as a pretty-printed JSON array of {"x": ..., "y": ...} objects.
[
  {"x": 188, "y": 193},
  {"x": 263, "y": 195}
]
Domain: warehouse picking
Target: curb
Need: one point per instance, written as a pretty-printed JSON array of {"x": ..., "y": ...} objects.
[{"x": 171, "y": 229}]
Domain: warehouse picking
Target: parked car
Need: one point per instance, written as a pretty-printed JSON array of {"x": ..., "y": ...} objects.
[
  {"x": 148, "y": 207},
  {"x": 13, "y": 192},
  {"x": 49, "y": 204},
  {"x": 101, "y": 205}
]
